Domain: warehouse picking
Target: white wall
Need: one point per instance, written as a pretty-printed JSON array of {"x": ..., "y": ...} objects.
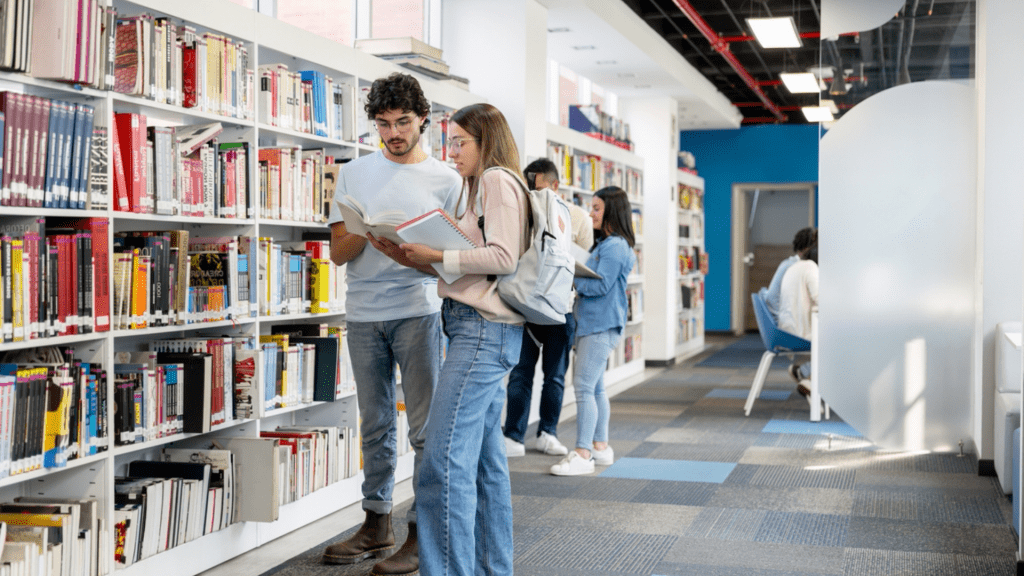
[
  {"x": 897, "y": 259},
  {"x": 1000, "y": 50},
  {"x": 501, "y": 47}
]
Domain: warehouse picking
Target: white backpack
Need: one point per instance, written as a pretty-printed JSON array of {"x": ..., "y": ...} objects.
[{"x": 541, "y": 287}]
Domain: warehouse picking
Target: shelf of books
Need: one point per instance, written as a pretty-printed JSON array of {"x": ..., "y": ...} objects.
[
  {"x": 174, "y": 380},
  {"x": 585, "y": 166},
  {"x": 693, "y": 264}
]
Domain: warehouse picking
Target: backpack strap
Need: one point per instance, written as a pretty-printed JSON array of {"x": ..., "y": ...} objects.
[{"x": 480, "y": 219}]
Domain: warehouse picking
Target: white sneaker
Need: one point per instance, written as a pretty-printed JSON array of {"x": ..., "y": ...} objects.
[
  {"x": 604, "y": 457},
  {"x": 548, "y": 444},
  {"x": 573, "y": 465},
  {"x": 513, "y": 448}
]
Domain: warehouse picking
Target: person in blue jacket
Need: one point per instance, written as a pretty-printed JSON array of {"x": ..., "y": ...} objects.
[{"x": 600, "y": 318}]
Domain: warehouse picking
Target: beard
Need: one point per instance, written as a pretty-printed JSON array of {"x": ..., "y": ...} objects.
[{"x": 400, "y": 147}]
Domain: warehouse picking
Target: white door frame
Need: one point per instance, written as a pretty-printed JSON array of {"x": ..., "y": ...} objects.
[{"x": 741, "y": 192}]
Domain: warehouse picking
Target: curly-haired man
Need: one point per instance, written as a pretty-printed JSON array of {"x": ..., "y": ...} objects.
[{"x": 392, "y": 310}]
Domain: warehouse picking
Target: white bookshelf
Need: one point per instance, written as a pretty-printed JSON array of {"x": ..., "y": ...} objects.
[
  {"x": 579, "y": 144},
  {"x": 268, "y": 41},
  {"x": 689, "y": 329}
]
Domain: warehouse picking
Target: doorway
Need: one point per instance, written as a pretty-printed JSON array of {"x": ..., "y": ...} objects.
[{"x": 764, "y": 219}]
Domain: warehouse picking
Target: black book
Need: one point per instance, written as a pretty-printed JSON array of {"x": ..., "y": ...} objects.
[
  {"x": 325, "y": 379},
  {"x": 312, "y": 330},
  {"x": 196, "y": 389}
]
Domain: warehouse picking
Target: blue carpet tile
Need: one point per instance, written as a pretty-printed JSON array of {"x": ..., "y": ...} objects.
[
  {"x": 815, "y": 428},
  {"x": 742, "y": 394}
]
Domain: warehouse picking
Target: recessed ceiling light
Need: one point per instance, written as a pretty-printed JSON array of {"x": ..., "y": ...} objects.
[
  {"x": 557, "y": 30},
  {"x": 775, "y": 32},
  {"x": 642, "y": 86},
  {"x": 800, "y": 82},
  {"x": 626, "y": 75},
  {"x": 606, "y": 62},
  {"x": 587, "y": 47},
  {"x": 817, "y": 114}
]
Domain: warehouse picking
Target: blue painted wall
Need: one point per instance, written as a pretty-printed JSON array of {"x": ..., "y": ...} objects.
[{"x": 772, "y": 153}]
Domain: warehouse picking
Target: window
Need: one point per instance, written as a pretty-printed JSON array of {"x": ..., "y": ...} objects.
[
  {"x": 334, "y": 19},
  {"x": 397, "y": 18}
]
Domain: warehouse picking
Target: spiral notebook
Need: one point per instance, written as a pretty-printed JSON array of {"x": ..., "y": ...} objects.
[{"x": 437, "y": 230}]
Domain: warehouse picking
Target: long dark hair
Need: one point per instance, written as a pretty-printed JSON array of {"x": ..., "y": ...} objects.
[{"x": 618, "y": 214}]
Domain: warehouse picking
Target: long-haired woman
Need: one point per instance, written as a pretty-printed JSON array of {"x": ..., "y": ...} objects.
[
  {"x": 464, "y": 495},
  {"x": 600, "y": 318}
]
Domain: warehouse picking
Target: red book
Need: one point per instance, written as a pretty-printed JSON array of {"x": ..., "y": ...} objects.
[
  {"x": 39, "y": 151},
  {"x": 188, "y": 76},
  {"x": 7, "y": 106},
  {"x": 131, "y": 139},
  {"x": 121, "y": 202},
  {"x": 101, "y": 269}
]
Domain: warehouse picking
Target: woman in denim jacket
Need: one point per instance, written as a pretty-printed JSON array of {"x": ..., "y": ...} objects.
[{"x": 600, "y": 318}]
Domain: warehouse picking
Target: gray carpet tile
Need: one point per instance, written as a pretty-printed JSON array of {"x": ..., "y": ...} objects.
[
  {"x": 870, "y": 478},
  {"x": 543, "y": 483},
  {"x": 790, "y": 476},
  {"x": 928, "y": 506},
  {"x": 803, "y": 528},
  {"x": 870, "y": 562},
  {"x": 635, "y": 431},
  {"x": 526, "y": 536},
  {"x": 676, "y": 493},
  {"x": 727, "y": 524},
  {"x": 526, "y": 509},
  {"x": 754, "y": 556},
  {"x": 700, "y": 452},
  {"x": 598, "y": 550},
  {"x": 944, "y": 537},
  {"x": 673, "y": 569},
  {"x": 837, "y": 457},
  {"x": 626, "y": 517},
  {"x": 699, "y": 436},
  {"x": 786, "y": 499},
  {"x": 612, "y": 489}
]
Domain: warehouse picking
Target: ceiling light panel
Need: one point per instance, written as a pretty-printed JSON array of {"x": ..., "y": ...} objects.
[
  {"x": 775, "y": 32},
  {"x": 800, "y": 82},
  {"x": 817, "y": 114}
]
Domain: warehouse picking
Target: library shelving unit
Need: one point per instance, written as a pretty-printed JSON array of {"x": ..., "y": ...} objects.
[
  {"x": 586, "y": 165},
  {"x": 266, "y": 41},
  {"x": 692, "y": 265}
]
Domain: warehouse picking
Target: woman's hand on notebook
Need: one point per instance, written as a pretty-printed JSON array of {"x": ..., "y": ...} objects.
[
  {"x": 390, "y": 249},
  {"x": 421, "y": 254}
]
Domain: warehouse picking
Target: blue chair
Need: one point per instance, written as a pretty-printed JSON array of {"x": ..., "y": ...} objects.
[{"x": 776, "y": 343}]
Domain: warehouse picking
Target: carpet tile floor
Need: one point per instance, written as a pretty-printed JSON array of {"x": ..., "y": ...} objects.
[{"x": 697, "y": 488}]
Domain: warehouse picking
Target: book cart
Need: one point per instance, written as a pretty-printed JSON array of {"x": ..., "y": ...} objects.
[
  {"x": 254, "y": 41},
  {"x": 586, "y": 165}
]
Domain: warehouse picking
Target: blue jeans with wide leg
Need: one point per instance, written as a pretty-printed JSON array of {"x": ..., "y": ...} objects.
[
  {"x": 556, "y": 341},
  {"x": 374, "y": 347},
  {"x": 592, "y": 407},
  {"x": 465, "y": 498}
]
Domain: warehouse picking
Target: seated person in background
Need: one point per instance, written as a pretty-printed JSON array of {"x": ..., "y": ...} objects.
[
  {"x": 801, "y": 242},
  {"x": 555, "y": 340},
  {"x": 799, "y": 295}
]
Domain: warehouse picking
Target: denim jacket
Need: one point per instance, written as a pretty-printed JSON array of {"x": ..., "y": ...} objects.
[{"x": 601, "y": 303}]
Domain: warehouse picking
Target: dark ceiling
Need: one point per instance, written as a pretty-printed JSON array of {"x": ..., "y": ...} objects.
[{"x": 927, "y": 40}]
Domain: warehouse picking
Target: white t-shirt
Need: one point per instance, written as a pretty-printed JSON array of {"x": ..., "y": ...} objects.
[
  {"x": 380, "y": 289},
  {"x": 798, "y": 295}
]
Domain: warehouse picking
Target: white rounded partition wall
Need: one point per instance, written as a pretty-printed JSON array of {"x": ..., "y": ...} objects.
[{"x": 897, "y": 234}]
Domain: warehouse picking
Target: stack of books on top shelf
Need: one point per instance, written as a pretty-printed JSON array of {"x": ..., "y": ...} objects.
[
  {"x": 53, "y": 536},
  {"x": 592, "y": 121},
  {"x": 409, "y": 52}
]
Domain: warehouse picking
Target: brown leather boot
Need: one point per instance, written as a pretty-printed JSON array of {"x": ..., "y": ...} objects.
[
  {"x": 405, "y": 562},
  {"x": 374, "y": 538}
]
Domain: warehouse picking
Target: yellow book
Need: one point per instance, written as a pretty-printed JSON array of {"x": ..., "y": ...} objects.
[
  {"x": 17, "y": 289},
  {"x": 56, "y": 426},
  {"x": 320, "y": 292},
  {"x": 140, "y": 290}
]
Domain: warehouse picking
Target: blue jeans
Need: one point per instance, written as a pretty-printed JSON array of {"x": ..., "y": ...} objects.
[
  {"x": 464, "y": 489},
  {"x": 374, "y": 347},
  {"x": 557, "y": 341},
  {"x": 592, "y": 407}
]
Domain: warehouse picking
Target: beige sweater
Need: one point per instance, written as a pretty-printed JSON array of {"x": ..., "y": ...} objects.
[{"x": 504, "y": 207}]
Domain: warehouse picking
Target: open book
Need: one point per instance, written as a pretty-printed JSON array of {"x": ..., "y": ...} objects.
[
  {"x": 437, "y": 230},
  {"x": 381, "y": 225},
  {"x": 581, "y": 257}
]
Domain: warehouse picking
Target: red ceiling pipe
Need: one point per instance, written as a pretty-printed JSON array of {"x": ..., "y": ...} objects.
[
  {"x": 722, "y": 47},
  {"x": 761, "y": 120},
  {"x": 746, "y": 38}
]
